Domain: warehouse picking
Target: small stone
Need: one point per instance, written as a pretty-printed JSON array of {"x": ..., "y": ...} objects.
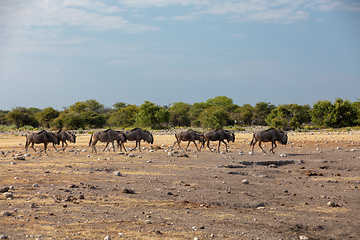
[
  {"x": 35, "y": 185},
  {"x": 117, "y": 174},
  {"x": 8, "y": 194},
  {"x": 245, "y": 181},
  {"x": 107, "y": 238},
  {"x": 6, "y": 213},
  {"x": 331, "y": 204},
  {"x": 3, "y": 237},
  {"x": 131, "y": 155},
  {"x": 303, "y": 238}
]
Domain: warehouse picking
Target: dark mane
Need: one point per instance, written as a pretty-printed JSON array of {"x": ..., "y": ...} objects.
[
  {"x": 135, "y": 129},
  {"x": 41, "y": 131},
  {"x": 107, "y": 130},
  {"x": 270, "y": 129}
]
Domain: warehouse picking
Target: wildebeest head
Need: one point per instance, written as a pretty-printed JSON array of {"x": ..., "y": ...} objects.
[
  {"x": 230, "y": 137},
  {"x": 73, "y": 137},
  {"x": 284, "y": 139},
  {"x": 150, "y": 139}
]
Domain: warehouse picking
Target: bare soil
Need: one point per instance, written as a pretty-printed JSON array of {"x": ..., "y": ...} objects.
[{"x": 77, "y": 194}]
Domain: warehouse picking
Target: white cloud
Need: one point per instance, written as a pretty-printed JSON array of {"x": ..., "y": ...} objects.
[{"x": 90, "y": 14}]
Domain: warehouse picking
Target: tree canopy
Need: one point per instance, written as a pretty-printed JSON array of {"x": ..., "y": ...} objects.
[{"x": 217, "y": 112}]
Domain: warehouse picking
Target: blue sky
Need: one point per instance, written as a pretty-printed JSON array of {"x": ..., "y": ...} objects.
[{"x": 54, "y": 53}]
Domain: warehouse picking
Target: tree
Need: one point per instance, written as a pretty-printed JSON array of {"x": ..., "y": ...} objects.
[
  {"x": 123, "y": 116},
  {"x": 94, "y": 106},
  {"x": 340, "y": 114},
  {"x": 215, "y": 118},
  {"x": 196, "y": 113},
  {"x": 243, "y": 115},
  {"x": 179, "y": 114},
  {"x": 151, "y": 115},
  {"x": 261, "y": 110},
  {"x": 20, "y": 117},
  {"x": 73, "y": 121},
  {"x": 47, "y": 115},
  {"x": 320, "y": 113},
  {"x": 343, "y": 114},
  {"x": 78, "y": 107},
  {"x": 356, "y": 106},
  {"x": 223, "y": 102},
  {"x": 289, "y": 116}
]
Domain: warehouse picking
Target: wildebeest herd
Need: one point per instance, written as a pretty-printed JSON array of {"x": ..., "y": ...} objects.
[{"x": 138, "y": 134}]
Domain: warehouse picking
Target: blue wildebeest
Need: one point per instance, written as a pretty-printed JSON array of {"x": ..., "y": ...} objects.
[
  {"x": 107, "y": 136},
  {"x": 137, "y": 134},
  {"x": 63, "y": 136},
  {"x": 270, "y": 135},
  {"x": 40, "y": 137},
  {"x": 218, "y": 135},
  {"x": 190, "y": 136}
]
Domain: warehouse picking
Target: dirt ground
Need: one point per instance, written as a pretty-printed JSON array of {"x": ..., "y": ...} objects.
[{"x": 309, "y": 189}]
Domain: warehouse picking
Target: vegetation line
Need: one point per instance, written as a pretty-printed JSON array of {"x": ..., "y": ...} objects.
[{"x": 215, "y": 113}]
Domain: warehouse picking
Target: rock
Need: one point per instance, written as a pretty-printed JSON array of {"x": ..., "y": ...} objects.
[
  {"x": 131, "y": 155},
  {"x": 3, "y": 237},
  {"x": 6, "y": 213},
  {"x": 251, "y": 153},
  {"x": 303, "y": 237},
  {"x": 4, "y": 189},
  {"x": 331, "y": 204},
  {"x": 128, "y": 191},
  {"x": 107, "y": 238},
  {"x": 19, "y": 158},
  {"x": 35, "y": 185},
  {"x": 8, "y": 194},
  {"x": 117, "y": 174},
  {"x": 245, "y": 181},
  {"x": 170, "y": 154}
]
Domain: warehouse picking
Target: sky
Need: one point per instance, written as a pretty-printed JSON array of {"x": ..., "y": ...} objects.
[{"x": 54, "y": 53}]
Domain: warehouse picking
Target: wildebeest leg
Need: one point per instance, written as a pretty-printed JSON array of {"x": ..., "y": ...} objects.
[
  {"x": 225, "y": 145},
  {"x": 63, "y": 145},
  {"x": 207, "y": 144},
  {"x": 261, "y": 147},
  {"x": 253, "y": 144},
  {"x": 113, "y": 146},
  {"x": 139, "y": 146},
  {"x": 187, "y": 146},
  {"x": 54, "y": 146},
  {"x": 272, "y": 147},
  {"x": 45, "y": 146},
  {"x": 32, "y": 146},
  {"x": 177, "y": 142},
  {"x": 219, "y": 145},
  {"x": 106, "y": 146},
  {"x": 196, "y": 146},
  {"x": 93, "y": 146},
  {"x": 27, "y": 145}
]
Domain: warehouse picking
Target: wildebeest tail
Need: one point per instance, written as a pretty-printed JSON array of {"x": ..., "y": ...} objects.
[
  {"x": 252, "y": 140},
  {"x": 90, "y": 139}
]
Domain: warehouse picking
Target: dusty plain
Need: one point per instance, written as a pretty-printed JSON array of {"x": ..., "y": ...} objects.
[{"x": 76, "y": 194}]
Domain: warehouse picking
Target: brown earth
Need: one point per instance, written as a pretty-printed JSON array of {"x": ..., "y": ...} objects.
[{"x": 77, "y": 195}]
